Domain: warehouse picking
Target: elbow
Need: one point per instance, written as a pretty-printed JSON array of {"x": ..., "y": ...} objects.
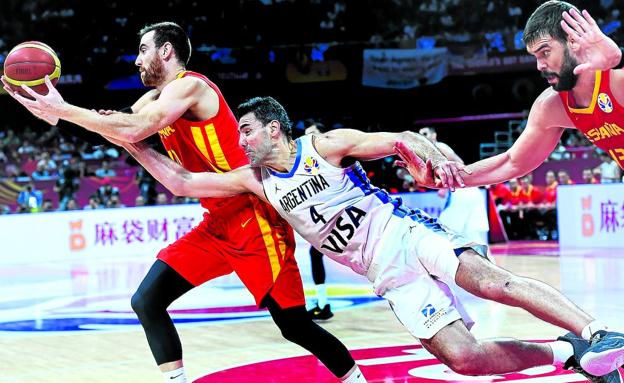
[{"x": 135, "y": 136}]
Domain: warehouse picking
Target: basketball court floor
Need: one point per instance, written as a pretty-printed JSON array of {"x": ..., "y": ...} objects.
[{"x": 72, "y": 324}]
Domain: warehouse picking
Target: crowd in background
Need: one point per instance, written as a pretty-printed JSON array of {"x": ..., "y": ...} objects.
[{"x": 30, "y": 156}]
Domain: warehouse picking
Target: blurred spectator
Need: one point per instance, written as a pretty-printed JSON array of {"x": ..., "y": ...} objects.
[
  {"x": 139, "y": 201},
  {"x": 4, "y": 209},
  {"x": 105, "y": 151},
  {"x": 550, "y": 191},
  {"x": 48, "y": 163},
  {"x": 68, "y": 182},
  {"x": 563, "y": 177},
  {"x": 105, "y": 192},
  {"x": 71, "y": 205},
  {"x": 83, "y": 169},
  {"x": 105, "y": 170},
  {"x": 30, "y": 198},
  {"x": 609, "y": 169},
  {"x": 114, "y": 202},
  {"x": 26, "y": 148},
  {"x": 47, "y": 205},
  {"x": 161, "y": 199},
  {"x": 588, "y": 176},
  {"x": 41, "y": 173},
  {"x": 94, "y": 203},
  {"x": 147, "y": 185}
]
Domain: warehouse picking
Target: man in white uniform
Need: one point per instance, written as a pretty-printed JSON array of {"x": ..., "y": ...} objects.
[{"x": 409, "y": 258}]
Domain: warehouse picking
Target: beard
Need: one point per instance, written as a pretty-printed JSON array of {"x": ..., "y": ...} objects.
[
  {"x": 566, "y": 76},
  {"x": 154, "y": 74}
]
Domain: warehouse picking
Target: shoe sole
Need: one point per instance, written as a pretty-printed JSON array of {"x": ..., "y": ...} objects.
[{"x": 602, "y": 363}]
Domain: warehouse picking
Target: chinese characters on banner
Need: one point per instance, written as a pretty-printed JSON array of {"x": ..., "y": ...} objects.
[
  {"x": 135, "y": 230},
  {"x": 591, "y": 215}
]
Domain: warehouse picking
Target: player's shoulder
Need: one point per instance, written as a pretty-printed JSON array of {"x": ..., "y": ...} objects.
[{"x": 548, "y": 110}]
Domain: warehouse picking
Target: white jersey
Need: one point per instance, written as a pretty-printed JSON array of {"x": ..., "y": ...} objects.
[{"x": 335, "y": 209}]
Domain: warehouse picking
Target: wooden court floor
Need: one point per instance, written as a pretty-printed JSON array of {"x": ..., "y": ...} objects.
[{"x": 592, "y": 280}]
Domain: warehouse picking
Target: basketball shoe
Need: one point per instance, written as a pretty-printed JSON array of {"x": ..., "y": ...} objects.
[
  {"x": 321, "y": 314},
  {"x": 605, "y": 354},
  {"x": 580, "y": 345}
]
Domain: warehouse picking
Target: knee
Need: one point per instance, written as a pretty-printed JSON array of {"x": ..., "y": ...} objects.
[
  {"x": 139, "y": 304},
  {"x": 291, "y": 334},
  {"x": 465, "y": 361}
]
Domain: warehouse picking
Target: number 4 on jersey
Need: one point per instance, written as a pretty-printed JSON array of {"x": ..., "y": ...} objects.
[{"x": 316, "y": 217}]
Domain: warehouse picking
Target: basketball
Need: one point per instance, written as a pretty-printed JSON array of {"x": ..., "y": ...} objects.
[{"x": 28, "y": 64}]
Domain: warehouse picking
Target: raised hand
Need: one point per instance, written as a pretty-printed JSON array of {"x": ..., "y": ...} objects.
[{"x": 595, "y": 50}]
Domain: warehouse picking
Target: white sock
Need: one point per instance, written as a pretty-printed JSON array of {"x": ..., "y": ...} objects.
[
  {"x": 355, "y": 376},
  {"x": 175, "y": 376},
  {"x": 321, "y": 295},
  {"x": 591, "y": 328},
  {"x": 562, "y": 351}
]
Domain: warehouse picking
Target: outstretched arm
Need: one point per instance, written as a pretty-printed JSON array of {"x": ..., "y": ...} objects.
[
  {"x": 340, "y": 143},
  {"x": 174, "y": 100},
  {"x": 536, "y": 142},
  {"x": 182, "y": 182}
]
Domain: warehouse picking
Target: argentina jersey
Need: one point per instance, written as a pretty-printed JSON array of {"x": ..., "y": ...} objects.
[{"x": 336, "y": 210}]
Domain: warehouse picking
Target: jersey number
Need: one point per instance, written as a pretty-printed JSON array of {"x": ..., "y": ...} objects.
[{"x": 316, "y": 217}]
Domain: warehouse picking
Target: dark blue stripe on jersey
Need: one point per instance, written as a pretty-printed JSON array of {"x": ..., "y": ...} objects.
[
  {"x": 358, "y": 177},
  {"x": 295, "y": 166},
  {"x": 416, "y": 215}
]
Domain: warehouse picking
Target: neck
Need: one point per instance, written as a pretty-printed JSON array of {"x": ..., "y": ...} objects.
[
  {"x": 282, "y": 157},
  {"x": 172, "y": 74},
  {"x": 583, "y": 92}
]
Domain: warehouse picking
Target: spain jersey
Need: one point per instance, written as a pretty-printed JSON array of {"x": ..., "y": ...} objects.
[
  {"x": 602, "y": 122},
  {"x": 206, "y": 146}
]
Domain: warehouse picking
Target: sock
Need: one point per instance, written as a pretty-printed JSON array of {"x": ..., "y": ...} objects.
[
  {"x": 175, "y": 376},
  {"x": 321, "y": 295},
  {"x": 562, "y": 351},
  {"x": 355, "y": 376},
  {"x": 591, "y": 328}
]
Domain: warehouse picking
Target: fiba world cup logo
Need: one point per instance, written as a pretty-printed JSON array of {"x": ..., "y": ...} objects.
[
  {"x": 311, "y": 166},
  {"x": 604, "y": 103}
]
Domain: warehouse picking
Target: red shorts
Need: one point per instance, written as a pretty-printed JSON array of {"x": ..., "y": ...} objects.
[{"x": 247, "y": 237}]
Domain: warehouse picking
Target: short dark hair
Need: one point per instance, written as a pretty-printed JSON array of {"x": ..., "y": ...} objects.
[
  {"x": 546, "y": 21},
  {"x": 168, "y": 31},
  {"x": 266, "y": 109}
]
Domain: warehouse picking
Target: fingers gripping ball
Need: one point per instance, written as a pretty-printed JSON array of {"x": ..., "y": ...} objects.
[{"x": 28, "y": 64}]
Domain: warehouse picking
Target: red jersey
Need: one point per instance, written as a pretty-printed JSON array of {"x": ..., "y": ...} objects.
[
  {"x": 550, "y": 192},
  {"x": 531, "y": 195},
  {"x": 602, "y": 122},
  {"x": 206, "y": 146}
]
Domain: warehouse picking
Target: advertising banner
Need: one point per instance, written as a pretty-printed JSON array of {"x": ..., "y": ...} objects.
[
  {"x": 403, "y": 68},
  {"x": 591, "y": 215}
]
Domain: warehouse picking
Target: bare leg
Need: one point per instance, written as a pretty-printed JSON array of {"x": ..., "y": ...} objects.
[
  {"x": 170, "y": 366},
  {"x": 487, "y": 280},
  {"x": 456, "y": 347}
]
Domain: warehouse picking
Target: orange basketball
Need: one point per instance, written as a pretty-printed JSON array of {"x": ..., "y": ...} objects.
[{"x": 28, "y": 64}]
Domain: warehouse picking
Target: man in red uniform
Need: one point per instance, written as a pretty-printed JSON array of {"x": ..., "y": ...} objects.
[
  {"x": 576, "y": 58},
  {"x": 241, "y": 233}
]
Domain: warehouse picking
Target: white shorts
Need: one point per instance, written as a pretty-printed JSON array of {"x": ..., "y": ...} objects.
[{"x": 413, "y": 268}]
